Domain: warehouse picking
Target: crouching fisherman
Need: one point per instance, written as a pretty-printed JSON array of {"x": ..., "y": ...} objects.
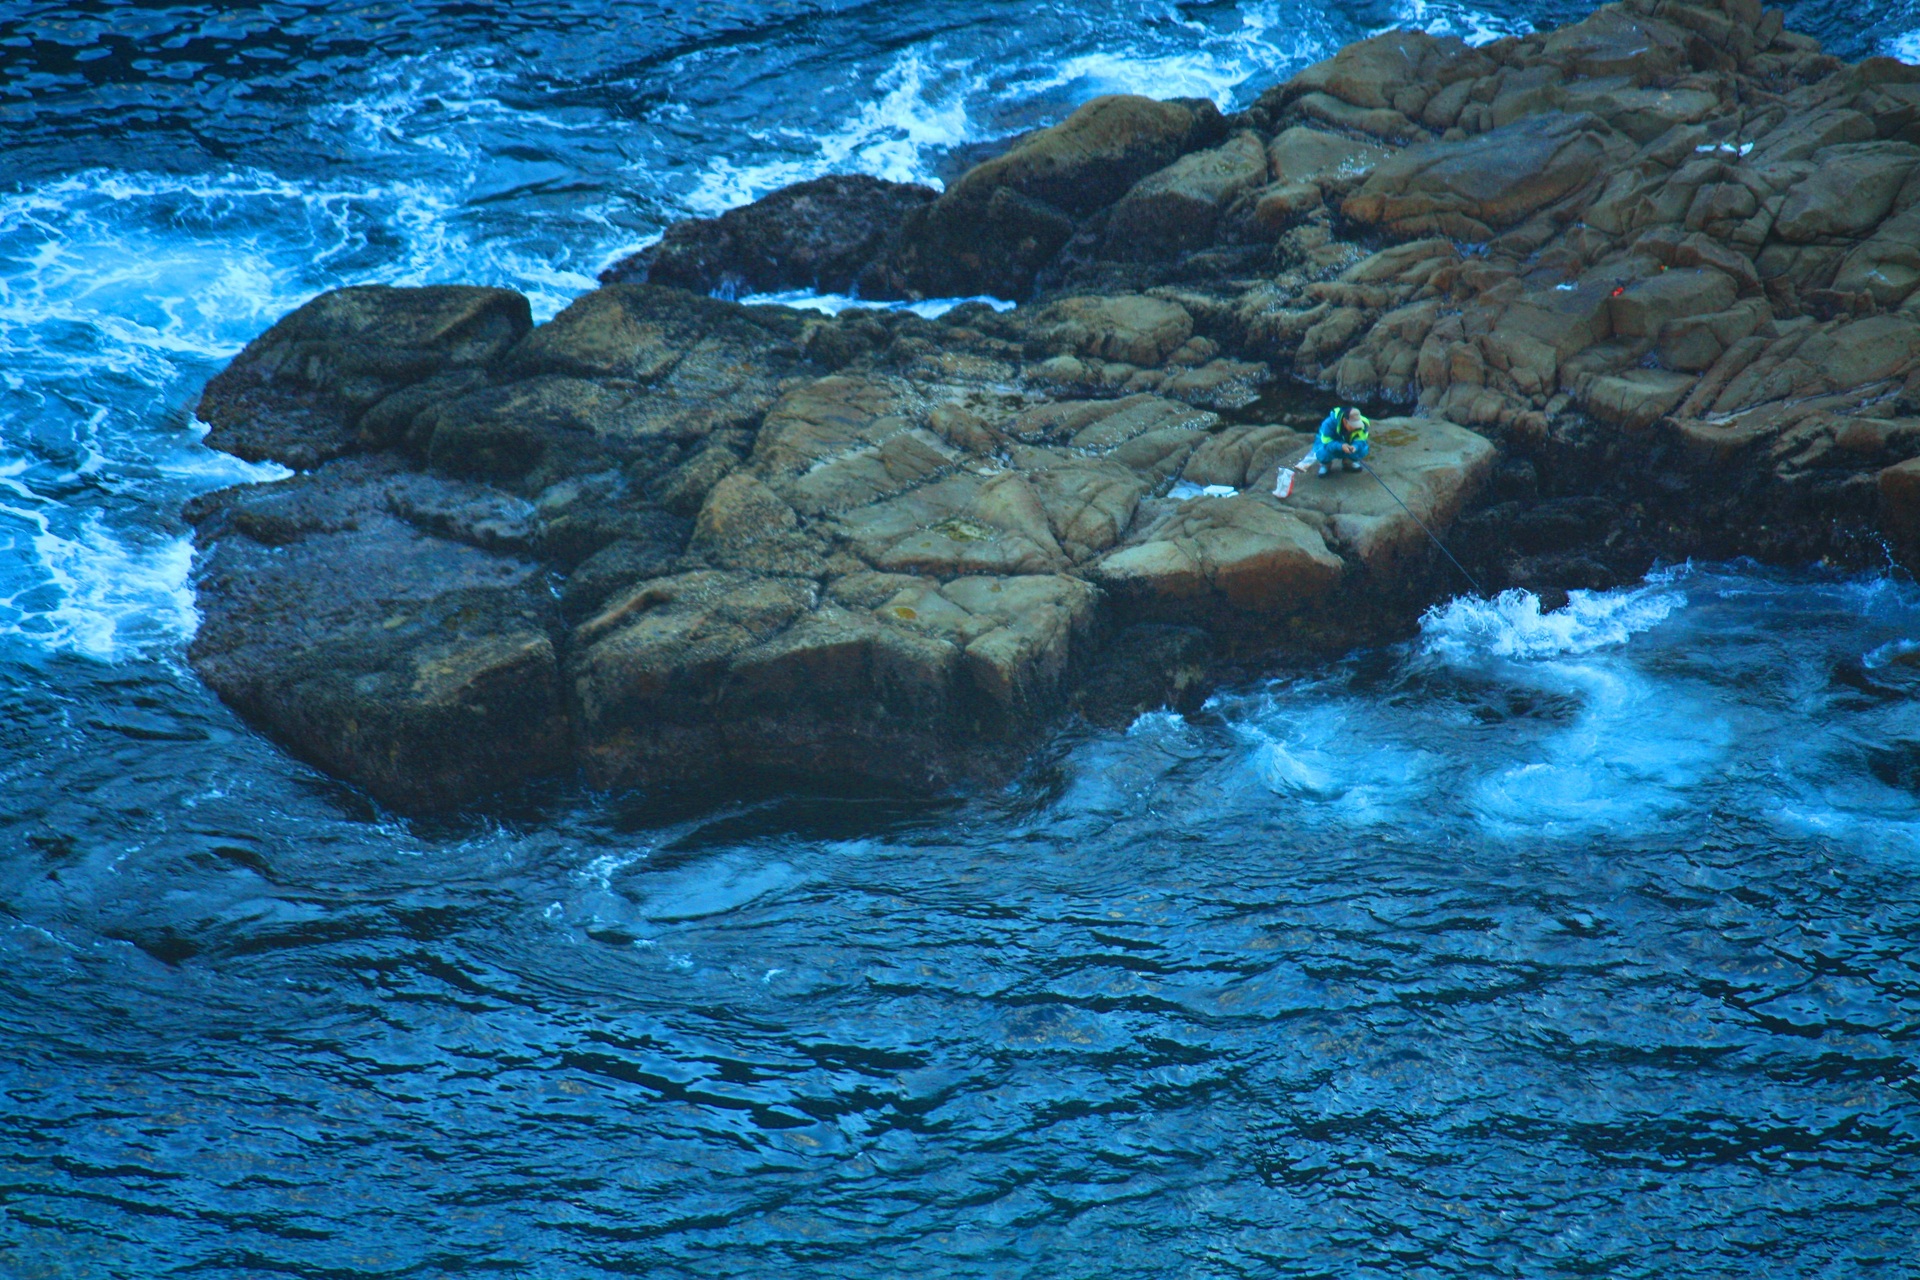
[{"x": 1342, "y": 438}]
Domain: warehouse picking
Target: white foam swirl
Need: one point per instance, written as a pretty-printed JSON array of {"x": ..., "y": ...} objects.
[
  {"x": 834, "y": 303},
  {"x": 1511, "y": 625},
  {"x": 930, "y": 102},
  {"x": 1449, "y": 18}
]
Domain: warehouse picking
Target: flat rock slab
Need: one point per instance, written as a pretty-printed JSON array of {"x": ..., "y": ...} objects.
[
  {"x": 1215, "y": 556},
  {"x": 1433, "y": 467}
]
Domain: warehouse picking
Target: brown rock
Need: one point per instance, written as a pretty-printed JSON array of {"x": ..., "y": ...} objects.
[
  {"x": 1617, "y": 42},
  {"x": 298, "y": 391},
  {"x": 744, "y": 525},
  {"x": 1136, "y": 329},
  {"x": 964, "y": 525},
  {"x": 842, "y": 442},
  {"x": 1468, "y": 189},
  {"x": 1285, "y": 203},
  {"x": 896, "y": 572},
  {"x": 1849, "y": 194},
  {"x": 1374, "y": 73},
  {"x": 1636, "y": 398},
  {"x": 686, "y": 490},
  {"x": 1176, "y": 209},
  {"x": 1381, "y": 122},
  {"x": 1245, "y": 456},
  {"x": 1220, "y": 385},
  {"x": 1092, "y": 157},
  {"x": 1088, "y": 503},
  {"x": 1246, "y": 554},
  {"x": 1648, "y": 306},
  {"x": 1872, "y": 350},
  {"x": 1325, "y": 159},
  {"x": 1887, "y": 266},
  {"x": 1435, "y": 468},
  {"x": 1696, "y": 343}
]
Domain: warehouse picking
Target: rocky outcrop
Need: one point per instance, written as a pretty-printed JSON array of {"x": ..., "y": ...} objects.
[
  {"x": 897, "y": 570},
  {"x": 1644, "y": 286},
  {"x": 995, "y": 229},
  {"x": 301, "y": 393},
  {"x": 391, "y": 626},
  {"x": 823, "y": 235}
]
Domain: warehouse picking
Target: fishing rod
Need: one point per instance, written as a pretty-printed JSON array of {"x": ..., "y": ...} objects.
[{"x": 1478, "y": 589}]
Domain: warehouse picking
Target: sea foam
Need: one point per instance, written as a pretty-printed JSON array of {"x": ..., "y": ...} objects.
[
  {"x": 1448, "y": 18},
  {"x": 931, "y": 98},
  {"x": 834, "y": 303},
  {"x": 1512, "y": 625}
]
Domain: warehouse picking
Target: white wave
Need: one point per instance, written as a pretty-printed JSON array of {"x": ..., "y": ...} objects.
[
  {"x": 118, "y": 292},
  {"x": 926, "y": 104},
  {"x": 713, "y": 887},
  {"x": 1200, "y": 74},
  {"x": 1638, "y": 752},
  {"x": 1638, "y": 746},
  {"x": 152, "y": 269},
  {"x": 834, "y": 303},
  {"x": 101, "y": 596},
  {"x": 1316, "y": 746},
  {"x": 209, "y": 469},
  {"x": 121, "y": 291},
  {"x": 1902, "y": 652},
  {"x": 1905, "y": 47},
  {"x": 919, "y": 113},
  {"x": 1861, "y": 822},
  {"x": 1448, "y": 18},
  {"x": 600, "y": 872},
  {"x": 1215, "y": 65},
  {"x": 1512, "y": 626},
  {"x": 1157, "y": 724},
  {"x": 1607, "y": 745},
  {"x": 444, "y": 115}
]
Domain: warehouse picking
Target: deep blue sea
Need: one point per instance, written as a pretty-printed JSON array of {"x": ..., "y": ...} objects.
[{"x": 1576, "y": 945}]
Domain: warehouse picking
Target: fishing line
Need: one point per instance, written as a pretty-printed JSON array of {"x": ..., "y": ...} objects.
[{"x": 1478, "y": 589}]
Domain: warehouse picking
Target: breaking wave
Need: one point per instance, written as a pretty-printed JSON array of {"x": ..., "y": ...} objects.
[
  {"x": 1513, "y": 625},
  {"x": 938, "y": 96},
  {"x": 1448, "y": 18}
]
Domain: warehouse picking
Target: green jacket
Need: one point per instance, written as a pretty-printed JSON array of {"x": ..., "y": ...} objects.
[{"x": 1333, "y": 432}]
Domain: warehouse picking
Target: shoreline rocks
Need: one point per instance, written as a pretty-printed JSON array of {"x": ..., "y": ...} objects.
[{"x": 1644, "y": 286}]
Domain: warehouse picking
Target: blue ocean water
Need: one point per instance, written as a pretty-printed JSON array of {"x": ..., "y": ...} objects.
[{"x": 1577, "y": 944}]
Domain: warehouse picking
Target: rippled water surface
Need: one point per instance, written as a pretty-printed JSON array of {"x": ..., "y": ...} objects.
[{"x": 1585, "y": 944}]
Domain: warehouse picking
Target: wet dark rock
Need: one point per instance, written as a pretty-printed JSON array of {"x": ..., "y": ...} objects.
[
  {"x": 613, "y": 568},
  {"x": 1559, "y": 522},
  {"x": 822, "y": 235},
  {"x": 423, "y": 668},
  {"x": 1143, "y": 668},
  {"x": 991, "y": 232},
  {"x": 298, "y": 392}
]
